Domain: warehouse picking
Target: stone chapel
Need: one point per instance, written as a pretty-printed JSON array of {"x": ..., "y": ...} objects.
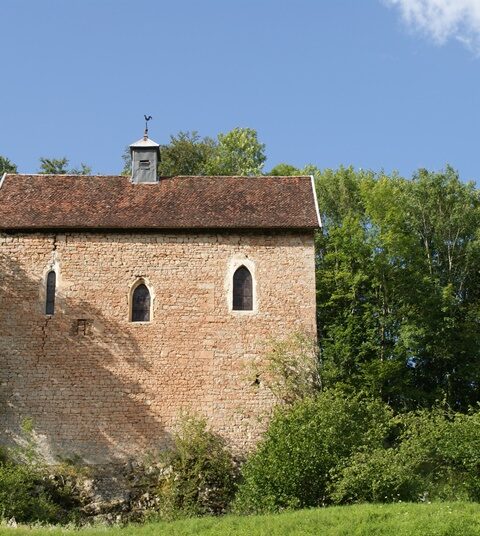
[{"x": 125, "y": 301}]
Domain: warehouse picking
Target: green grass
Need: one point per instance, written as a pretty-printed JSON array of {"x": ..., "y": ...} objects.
[{"x": 437, "y": 519}]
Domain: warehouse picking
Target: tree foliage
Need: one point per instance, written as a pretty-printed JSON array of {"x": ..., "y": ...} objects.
[
  {"x": 186, "y": 154},
  {"x": 303, "y": 444},
  {"x": 59, "y": 166},
  {"x": 84, "y": 169},
  {"x": 7, "y": 166},
  {"x": 284, "y": 170},
  {"x": 237, "y": 152},
  {"x": 291, "y": 368},
  {"x": 398, "y": 286},
  {"x": 199, "y": 472}
]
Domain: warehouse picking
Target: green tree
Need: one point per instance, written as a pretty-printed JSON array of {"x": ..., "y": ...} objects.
[
  {"x": 186, "y": 154},
  {"x": 284, "y": 170},
  {"x": 238, "y": 152},
  {"x": 59, "y": 166},
  {"x": 53, "y": 166},
  {"x": 6, "y": 166},
  {"x": 398, "y": 286},
  {"x": 84, "y": 169}
]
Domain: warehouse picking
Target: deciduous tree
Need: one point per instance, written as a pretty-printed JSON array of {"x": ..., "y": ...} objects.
[
  {"x": 7, "y": 166},
  {"x": 186, "y": 154},
  {"x": 284, "y": 170},
  {"x": 238, "y": 152},
  {"x": 59, "y": 166},
  {"x": 398, "y": 286}
]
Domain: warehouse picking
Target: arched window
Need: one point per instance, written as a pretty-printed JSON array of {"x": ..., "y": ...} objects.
[
  {"x": 242, "y": 290},
  {"x": 50, "y": 294},
  {"x": 141, "y": 304}
]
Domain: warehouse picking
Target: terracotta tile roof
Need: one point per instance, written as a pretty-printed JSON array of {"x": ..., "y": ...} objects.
[{"x": 108, "y": 202}]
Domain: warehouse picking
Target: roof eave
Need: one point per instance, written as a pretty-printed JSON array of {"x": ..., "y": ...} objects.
[{"x": 40, "y": 229}]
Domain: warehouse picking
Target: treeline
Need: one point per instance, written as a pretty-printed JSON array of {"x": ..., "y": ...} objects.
[
  {"x": 48, "y": 166},
  {"x": 398, "y": 286},
  {"x": 237, "y": 152}
]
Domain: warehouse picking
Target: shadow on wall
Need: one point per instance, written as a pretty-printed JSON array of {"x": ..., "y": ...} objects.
[{"x": 71, "y": 374}]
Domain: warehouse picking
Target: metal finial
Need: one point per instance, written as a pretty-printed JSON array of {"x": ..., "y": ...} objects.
[{"x": 147, "y": 119}]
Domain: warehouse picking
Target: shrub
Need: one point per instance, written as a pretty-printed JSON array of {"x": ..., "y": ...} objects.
[
  {"x": 391, "y": 472},
  {"x": 22, "y": 495},
  {"x": 459, "y": 449},
  {"x": 436, "y": 456},
  {"x": 31, "y": 491},
  {"x": 381, "y": 475},
  {"x": 291, "y": 368},
  {"x": 291, "y": 467},
  {"x": 68, "y": 486},
  {"x": 199, "y": 473}
]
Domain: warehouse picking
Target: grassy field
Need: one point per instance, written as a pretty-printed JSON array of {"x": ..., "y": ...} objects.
[{"x": 437, "y": 519}]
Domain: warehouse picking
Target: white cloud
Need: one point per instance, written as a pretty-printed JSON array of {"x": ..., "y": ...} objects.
[{"x": 443, "y": 19}]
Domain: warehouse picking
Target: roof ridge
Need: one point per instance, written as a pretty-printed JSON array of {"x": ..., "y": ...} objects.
[{"x": 271, "y": 177}]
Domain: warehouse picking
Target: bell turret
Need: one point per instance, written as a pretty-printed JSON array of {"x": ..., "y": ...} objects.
[{"x": 145, "y": 158}]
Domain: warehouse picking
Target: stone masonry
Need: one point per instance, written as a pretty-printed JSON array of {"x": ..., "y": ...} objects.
[{"x": 103, "y": 388}]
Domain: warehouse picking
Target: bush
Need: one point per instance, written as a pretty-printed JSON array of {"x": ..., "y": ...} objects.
[
  {"x": 22, "y": 495},
  {"x": 382, "y": 475},
  {"x": 31, "y": 491},
  {"x": 436, "y": 456},
  {"x": 291, "y": 368},
  {"x": 291, "y": 468},
  {"x": 392, "y": 472},
  {"x": 458, "y": 452},
  {"x": 198, "y": 475},
  {"x": 68, "y": 486}
]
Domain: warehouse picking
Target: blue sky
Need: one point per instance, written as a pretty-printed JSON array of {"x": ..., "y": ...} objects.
[{"x": 379, "y": 84}]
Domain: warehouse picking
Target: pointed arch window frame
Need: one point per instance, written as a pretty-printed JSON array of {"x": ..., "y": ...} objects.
[
  {"x": 139, "y": 283},
  {"x": 235, "y": 263}
]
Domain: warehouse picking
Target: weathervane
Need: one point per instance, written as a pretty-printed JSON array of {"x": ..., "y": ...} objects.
[{"x": 147, "y": 119}]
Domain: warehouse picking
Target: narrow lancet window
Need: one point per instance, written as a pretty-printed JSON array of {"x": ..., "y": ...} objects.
[
  {"x": 50, "y": 294},
  {"x": 141, "y": 304},
  {"x": 242, "y": 290}
]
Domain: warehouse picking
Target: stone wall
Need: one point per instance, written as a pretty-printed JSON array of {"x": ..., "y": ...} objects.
[{"x": 103, "y": 388}]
